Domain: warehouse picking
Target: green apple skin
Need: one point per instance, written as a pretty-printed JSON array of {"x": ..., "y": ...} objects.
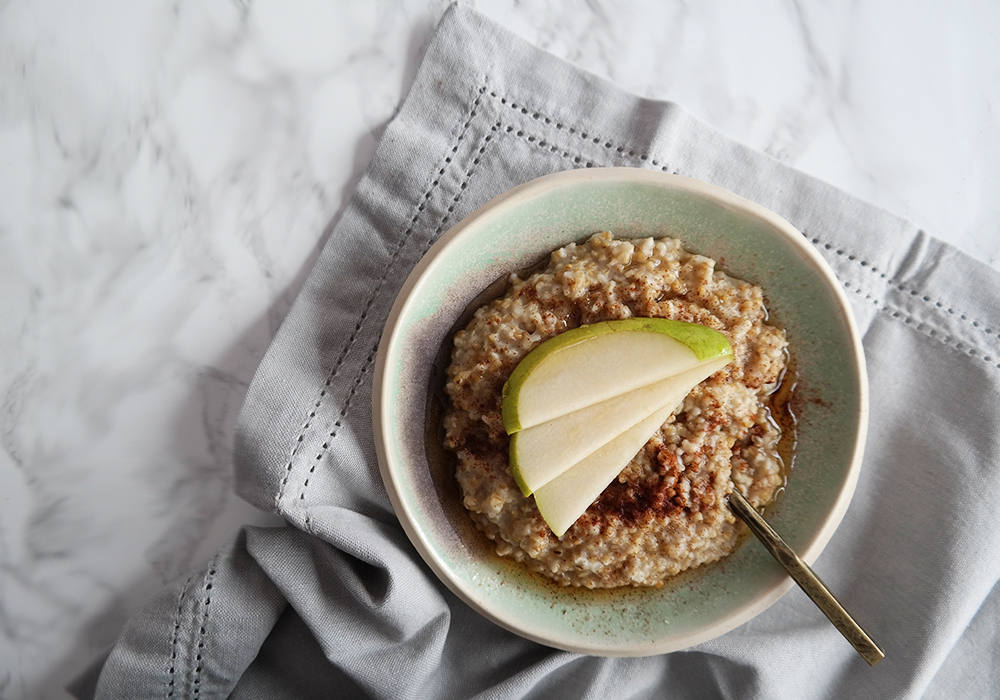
[{"x": 703, "y": 342}]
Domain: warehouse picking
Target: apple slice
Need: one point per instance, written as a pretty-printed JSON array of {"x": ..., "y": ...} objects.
[
  {"x": 564, "y": 499},
  {"x": 595, "y": 362},
  {"x": 566, "y": 380},
  {"x": 541, "y": 453}
]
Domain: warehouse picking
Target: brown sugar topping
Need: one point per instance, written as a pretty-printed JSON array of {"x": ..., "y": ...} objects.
[{"x": 657, "y": 494}]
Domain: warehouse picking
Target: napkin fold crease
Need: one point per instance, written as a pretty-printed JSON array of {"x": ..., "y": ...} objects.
[{"x": 339, "y": 603}]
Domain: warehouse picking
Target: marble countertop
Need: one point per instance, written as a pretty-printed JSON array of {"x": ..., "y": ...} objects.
[{"x": 169, "y": 170}]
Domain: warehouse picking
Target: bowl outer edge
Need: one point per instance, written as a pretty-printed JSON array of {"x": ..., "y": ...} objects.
[{"x": 537, "y": 187}]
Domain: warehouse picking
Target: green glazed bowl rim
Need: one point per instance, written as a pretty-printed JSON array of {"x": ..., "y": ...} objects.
[{"x": 407, "y": 483}]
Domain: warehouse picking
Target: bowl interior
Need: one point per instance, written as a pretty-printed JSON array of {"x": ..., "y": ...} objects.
[{"x": 516, "y": 231}]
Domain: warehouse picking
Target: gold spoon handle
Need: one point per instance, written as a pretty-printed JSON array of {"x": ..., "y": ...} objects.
[{"x": 808, "y": 581}]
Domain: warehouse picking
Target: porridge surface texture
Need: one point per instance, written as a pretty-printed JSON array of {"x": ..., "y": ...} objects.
[{"x": 666, "y": 511}]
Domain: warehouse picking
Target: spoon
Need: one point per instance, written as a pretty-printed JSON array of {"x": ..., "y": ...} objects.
[{"x": 808, "y": 581}]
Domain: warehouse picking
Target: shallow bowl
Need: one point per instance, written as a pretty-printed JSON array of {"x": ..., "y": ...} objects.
[{"x": 517, "y": 230}]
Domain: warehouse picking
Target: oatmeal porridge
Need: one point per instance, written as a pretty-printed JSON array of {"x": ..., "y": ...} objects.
[{"x": 666, "y": 511}]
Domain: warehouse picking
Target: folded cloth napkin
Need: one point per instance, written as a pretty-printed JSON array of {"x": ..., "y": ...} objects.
[{"x": 339, "y": 604}]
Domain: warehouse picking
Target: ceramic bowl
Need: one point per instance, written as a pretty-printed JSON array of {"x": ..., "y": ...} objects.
[{"x": 517, "y": 230}]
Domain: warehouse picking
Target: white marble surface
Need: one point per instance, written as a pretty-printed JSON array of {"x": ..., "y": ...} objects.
[{"x": 167, "y": 170}]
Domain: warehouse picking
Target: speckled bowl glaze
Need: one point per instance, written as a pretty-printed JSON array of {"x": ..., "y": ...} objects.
[{"x": 515, "y": 231}]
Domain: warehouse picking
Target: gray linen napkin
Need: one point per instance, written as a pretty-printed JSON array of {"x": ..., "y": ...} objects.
[{"x": 339, "y": 604}]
